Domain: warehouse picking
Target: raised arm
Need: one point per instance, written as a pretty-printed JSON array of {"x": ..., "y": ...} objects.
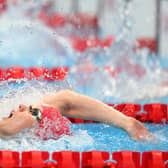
[{"x": 80, "y": 106}]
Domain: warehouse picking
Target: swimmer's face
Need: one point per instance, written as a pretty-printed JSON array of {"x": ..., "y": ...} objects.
[
  {"x": 21, "y": 108},
  {"x": 24, "y": 108}
]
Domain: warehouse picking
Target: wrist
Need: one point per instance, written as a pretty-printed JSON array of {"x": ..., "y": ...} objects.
[{"x": 127, "y": 121}]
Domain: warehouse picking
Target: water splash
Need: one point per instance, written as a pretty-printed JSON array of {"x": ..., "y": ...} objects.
[{"x": 24, "y": 38}]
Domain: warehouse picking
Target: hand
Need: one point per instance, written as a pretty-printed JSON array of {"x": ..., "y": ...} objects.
[{"x": 137, "y": 130}]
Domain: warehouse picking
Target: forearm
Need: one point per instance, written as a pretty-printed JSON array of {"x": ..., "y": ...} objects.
[{"x": 88, "y": 108}]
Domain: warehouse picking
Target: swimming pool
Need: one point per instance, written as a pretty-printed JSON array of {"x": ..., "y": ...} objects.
[{"x": 86, "y": 73}]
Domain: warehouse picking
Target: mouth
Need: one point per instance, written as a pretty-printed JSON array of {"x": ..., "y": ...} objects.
[{"x": 11, "y": 114}]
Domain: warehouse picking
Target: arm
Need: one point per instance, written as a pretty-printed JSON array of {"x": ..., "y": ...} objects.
[
  {"x": 15, "y": 124},
  {"x": 75, "y": 105}
]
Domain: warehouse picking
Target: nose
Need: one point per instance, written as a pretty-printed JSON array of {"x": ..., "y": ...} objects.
[{"x": 22, "y": 107}]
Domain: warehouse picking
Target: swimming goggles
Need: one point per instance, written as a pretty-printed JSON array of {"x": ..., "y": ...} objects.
[{"x": 36, "y": 113}]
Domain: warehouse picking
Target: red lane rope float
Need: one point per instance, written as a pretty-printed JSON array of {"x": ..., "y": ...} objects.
[
  {"x": 94, "y": 159},
  {"x": 34, "y": 73},
  {"x": 34, "y": 159},
  {"x": 89, "y": 159},
  {"x": 9, "y": 159},
  {"x": 129, "y": 109},
  {"x": 17, "y": 72},
  {"x": 14, "y": 73},
  {"x": 127, "y": 159},
  {"x": 1, "y": 74},
  {"x": 66, "y": 159},
  {"x": 142, "y": 116},
  {"x": 59, "y": 73},
  {"x": 154, "y": 159},
  {"x": 156, "y": 112},
  {"x": 50, "y": 164}
]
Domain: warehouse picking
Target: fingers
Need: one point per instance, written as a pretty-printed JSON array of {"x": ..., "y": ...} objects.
[
  {"x": 138, "y": 131},
  {"x": 144, "y": 135}
]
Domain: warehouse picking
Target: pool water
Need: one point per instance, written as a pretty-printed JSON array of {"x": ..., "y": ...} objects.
[
  {"x": 114, "y": 139},
  {"x": 88, "y": 137}
]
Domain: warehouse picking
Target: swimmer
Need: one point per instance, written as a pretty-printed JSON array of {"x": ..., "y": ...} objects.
[{"x": 48, "y": 116}]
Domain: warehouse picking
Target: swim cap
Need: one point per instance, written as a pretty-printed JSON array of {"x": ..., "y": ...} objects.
[{"x": 52, "y": 124}]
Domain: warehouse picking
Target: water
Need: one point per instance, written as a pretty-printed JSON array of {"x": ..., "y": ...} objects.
[
  {"x": 88, "y": 137},
  {"x": 30, "y": 43}
]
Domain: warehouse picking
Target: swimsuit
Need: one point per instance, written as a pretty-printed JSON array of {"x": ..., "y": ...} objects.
[{"x": 52, "y": 124}]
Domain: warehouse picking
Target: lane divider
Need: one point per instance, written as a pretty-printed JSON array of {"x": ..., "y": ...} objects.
[
  {"x": 9, "y": 159},
  {"x": 127, "y": 159},
  {"x": 156, "y": 112},
  {"x": 66, "y": 159},
  {"x": 34, "y": 159},
  {"x": 94, "y": 159},
  {"x": 89, "y": 159},
  {"x": 16, "y": 72},
  {"x": 154, "y": 159}
]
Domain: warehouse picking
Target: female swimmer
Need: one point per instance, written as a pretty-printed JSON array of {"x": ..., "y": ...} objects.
[{"x": 47, "y": 116}]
